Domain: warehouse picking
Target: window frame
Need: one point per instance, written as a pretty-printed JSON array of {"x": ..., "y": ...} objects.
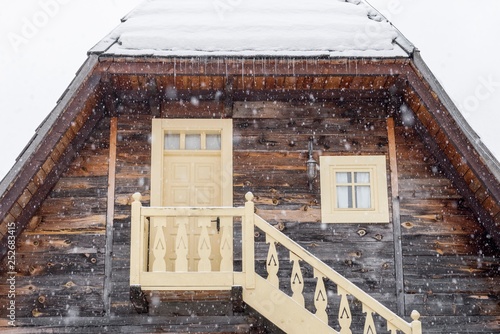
[{"x": 376, "y": 165}]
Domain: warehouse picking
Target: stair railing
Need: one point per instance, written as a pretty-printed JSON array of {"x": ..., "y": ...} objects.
[
  {"x": 323, "y": 272},
  {"x": 148, "y": 267}
]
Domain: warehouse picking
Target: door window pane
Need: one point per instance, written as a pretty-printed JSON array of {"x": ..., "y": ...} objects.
[
  {"x": 193, "y": 142},
  {"x": 172, "y": 141},
  {"x": 213, "y": 142}
]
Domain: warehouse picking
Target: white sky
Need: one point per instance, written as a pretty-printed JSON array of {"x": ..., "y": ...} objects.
[{"x": 458, "y": 39}]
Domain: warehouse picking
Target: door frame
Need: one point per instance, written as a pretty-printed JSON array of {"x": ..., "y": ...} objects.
[{"x": 161, "y": 126}]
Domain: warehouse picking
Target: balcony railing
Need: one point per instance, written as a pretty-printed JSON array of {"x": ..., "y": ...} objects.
[{"x": 166, "y": 256}]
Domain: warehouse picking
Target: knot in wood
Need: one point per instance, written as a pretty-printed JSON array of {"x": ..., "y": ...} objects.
[
  {"x": 361, "y": 232},
  {"x": 280, "y": 226}
]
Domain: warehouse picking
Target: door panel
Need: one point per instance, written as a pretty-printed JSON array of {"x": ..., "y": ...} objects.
[{"x": 192, "y": 181}]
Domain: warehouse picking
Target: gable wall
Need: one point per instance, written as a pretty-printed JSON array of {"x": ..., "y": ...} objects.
[{"x": 445, "y": 274}]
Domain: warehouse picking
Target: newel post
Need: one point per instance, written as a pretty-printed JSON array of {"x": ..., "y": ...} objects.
[
  {"x": 416, "y": 325},
  {"x": 248, "y": 230},
  {"x": 135, "y": 240}
]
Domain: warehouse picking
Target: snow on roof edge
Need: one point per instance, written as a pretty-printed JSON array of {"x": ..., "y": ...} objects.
[{"x": 128, "y": 38}]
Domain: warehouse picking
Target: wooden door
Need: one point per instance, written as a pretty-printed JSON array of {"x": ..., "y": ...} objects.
[
  {"x": 194, "y": 169},
  {"x": 192, "y": 181}
]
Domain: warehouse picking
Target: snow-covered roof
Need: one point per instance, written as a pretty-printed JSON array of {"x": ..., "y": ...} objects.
[{"x": 336, "y": 28}]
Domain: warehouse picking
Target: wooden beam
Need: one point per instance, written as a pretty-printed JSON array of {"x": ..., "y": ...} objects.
[
  {"x": 259, "y": 66},
  {"x": 396, "y": 218},
  {"x": 469, "y": 197},
  {"x": 265, "y": 95},
  {"x": 52, "y": 178},
  {"x": 110, "y": 213},
  {"x": 50, "y": 139},
  {"x": 453, "y": 132}
]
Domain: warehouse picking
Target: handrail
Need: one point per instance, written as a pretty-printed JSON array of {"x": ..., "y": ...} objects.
[{"x": 348, "y": 286}]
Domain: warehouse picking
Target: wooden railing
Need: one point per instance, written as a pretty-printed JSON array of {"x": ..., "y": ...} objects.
[{"x": 287, "y": 312}]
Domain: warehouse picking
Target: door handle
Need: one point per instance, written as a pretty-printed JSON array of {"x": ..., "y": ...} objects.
[{"x": 217, "y": 221}]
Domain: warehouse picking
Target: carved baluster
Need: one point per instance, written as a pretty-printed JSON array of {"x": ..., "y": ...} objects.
[
  {"x": 159, "y": 244},
  {"x": 181, "y": 245},
  {"x": 297, "y": 281},
  {"x": 391, "y": 328},
  {"x": 272, "y": 262},
  {"x": 320, "y": 297},
  {"x": 369, "y": 324},
  {"x": 345, "y": 317},
  {"x": 226, "y": 245},
  {"x": 204, "y": 245}
]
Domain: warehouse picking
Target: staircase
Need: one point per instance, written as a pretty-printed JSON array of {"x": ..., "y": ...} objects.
[{"x": 292, "y": 313}]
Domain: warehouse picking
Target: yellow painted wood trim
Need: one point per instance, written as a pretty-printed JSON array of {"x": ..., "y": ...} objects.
[
  {"x": 333, "y": 275},
  {"x": 376, "y": 165},
  {"x": 192, "y": 212},
  {"x": 282, "y": 310},
  {"x": 191, "y": 280},
  {"x": 222, "y": 126}
]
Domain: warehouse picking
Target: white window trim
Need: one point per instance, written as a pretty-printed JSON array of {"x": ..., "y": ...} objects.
[
  {"x": 376, "y": 165},
  {"x": 162, "y": 126}
]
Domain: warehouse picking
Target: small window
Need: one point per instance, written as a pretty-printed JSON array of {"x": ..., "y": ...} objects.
[{"x": 354, "y": 189}]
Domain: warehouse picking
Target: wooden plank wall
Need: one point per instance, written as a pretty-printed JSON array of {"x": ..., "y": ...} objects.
[
  {"x": 450, "y": 269},
  {"x": 60, "y": 261}
]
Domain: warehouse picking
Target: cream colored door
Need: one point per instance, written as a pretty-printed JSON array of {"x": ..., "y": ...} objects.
[
  {"x": 191, "y": 167},
  {"x": 192, "y": 181}
]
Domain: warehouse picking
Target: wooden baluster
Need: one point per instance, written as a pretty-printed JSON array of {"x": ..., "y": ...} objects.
[
  {"x": 345, "y": 317},
  {"x": 391, "y": 328},
  {"x": 247, "y": 239},
  {"x": 138, "y": 253},
  {"x": 159, "y": 244},
  {"x": 320, "y": 297},
  {"x": 369, "y": 324},
  {"x": 416, "y": 325},
  {"x": 181, "y": 245},
  {"x": 226, "y": 245},
  {"x": 204, "y": 245},
  {"x": 272, "y": 262},
  {"x": 296, "y": 280}
]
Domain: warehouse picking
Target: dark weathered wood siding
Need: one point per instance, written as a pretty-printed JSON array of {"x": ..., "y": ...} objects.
[{"x": 451, "y": 270}]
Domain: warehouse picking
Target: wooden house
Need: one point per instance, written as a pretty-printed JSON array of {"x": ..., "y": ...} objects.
[{"x": 252, "y": 167}]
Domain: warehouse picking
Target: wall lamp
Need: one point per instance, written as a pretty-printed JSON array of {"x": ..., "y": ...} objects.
[{"x": 311, "y": 166}]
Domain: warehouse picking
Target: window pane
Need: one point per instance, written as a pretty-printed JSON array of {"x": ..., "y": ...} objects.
[
  {"x": 363, "y": 197},
  {"x": 193, "y": 142},
  {"x": 344, "y": 197},
  {"x": 213, "y": 142},
  {"x": 343, "y": 177},
  {"x": 172, "y": 141},
  {"x": 362, "y": 177}
]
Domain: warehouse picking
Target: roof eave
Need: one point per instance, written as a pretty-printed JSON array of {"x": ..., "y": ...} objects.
[{"x": 474, "y": 139}]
